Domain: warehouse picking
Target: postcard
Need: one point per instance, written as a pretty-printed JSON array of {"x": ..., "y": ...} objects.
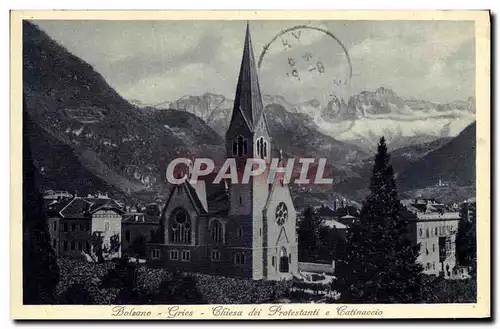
[{"x": 250, "y": 165}]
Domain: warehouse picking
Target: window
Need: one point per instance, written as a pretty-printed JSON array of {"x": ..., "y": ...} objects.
[
  {"x": 436, "y": 231},
  {"x": 180, "y": 227},
  {"x": 65, "y": 227},
  {"x": 80, "y": 245},
  {"x": 65, "y": 245},
  {"x": 239, "y": 258},
  {"x": 433, "y": 247},
  {"x": 73, "y": 245},
  {"x": 106, "y": 226},
  {"x": 427, "y": 233},
  {"x": 283, "y": 266},
  {"x": 155, "y": 254},
  {"x": 260, "y": 231},
  {"x": 281, "y": 213},
  {"x": 273, "y": 261},
  {"x": 420, "y": 232},
  {"x": 433, "y": 265},
  {"x": 240, "y": 232},
  {"x": 186, "y": 255},
  {"x": 127, "y": 236},
  {"x": 217, "y": 231},
  {"x": 82, "y": 227},
  {"x": 54, "y": 226},
  {"x": 241, "y": 200},
  {"x": 215, "y": 255},
  {"x": 174, "y": 254},
  {"x": 240, "y": 146},
  {"x": 73, "y": 227}
]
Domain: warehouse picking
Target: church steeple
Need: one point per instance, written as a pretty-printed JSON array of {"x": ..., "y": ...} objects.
[{"x": 248, "y": 99}]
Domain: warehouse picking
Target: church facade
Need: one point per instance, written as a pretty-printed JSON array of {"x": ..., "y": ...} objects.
[{"x": 243, "y": 230}]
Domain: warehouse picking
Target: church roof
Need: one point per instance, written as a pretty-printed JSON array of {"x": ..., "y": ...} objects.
[{"x": 248, "y": 99}]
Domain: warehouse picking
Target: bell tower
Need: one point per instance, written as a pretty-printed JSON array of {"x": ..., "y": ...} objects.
[{"x": 248, "y": 138}]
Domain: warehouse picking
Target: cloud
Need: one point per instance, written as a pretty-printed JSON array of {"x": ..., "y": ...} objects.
[{"x": 154, "y": 61}]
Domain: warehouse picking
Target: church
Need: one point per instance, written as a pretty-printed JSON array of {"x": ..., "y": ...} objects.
[{"x": 235, "y": 230}]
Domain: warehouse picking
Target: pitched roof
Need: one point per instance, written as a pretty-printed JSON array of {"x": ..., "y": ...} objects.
[
  {"x": 331, "y": 223},
  {"x": 248, "y": 100},
  {"x": 75, "y": 208}
]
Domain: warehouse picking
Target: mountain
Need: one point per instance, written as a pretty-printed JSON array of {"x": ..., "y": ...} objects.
[
  {"x": 82, "y": 126},
  {"x": 362, "y": 120},
  {"x": 453, "y": 163},
  {"x": 201, "y": 106},
  {"x": 420, "y": 168}
]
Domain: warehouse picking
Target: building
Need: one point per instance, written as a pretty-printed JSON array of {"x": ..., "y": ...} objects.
[
  {"x": 246, "y": 230},
  {"x": 436, "y": 232},
  {"x": 76, "y": 224},
  {"x": 468, "y": 210},
  {"x": 138, "y": 227},
  {"x": 340, "y": 218}
]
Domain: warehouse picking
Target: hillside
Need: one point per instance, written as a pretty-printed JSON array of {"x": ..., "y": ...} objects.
[
  {"x": 454, "y": 163},
  {"x": 73, "y": 108},
  {"x": 419, "y": 168}
]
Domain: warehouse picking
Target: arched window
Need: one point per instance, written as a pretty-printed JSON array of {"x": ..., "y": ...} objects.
[
  {"x": 283, "y": 260},
  {"x": 217, "y": 231},
  {"x": 235, "y": 148},
  {"x": 261, "y": 147},
  {"x": 180, "y": 227},
  {"x": 245, "y": 147},
  {"x": 240, "y": 146}
]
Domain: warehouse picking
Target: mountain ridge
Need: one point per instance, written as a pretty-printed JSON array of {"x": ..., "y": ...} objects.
[{"x": 361, "y": 121}]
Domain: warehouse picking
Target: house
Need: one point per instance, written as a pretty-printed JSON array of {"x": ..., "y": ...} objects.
[
  {"x": 75, "y": 225},
  {"x": 435, "y": 229},
  {"x": 137, "y": 226},
  {"x": 244, "y": 230}
]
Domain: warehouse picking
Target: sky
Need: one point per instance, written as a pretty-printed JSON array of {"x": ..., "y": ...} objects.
[{"x": 156, "y": 61}]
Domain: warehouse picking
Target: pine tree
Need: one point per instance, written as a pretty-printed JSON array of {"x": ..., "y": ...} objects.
[
  {"x": 466, "y": 239},
  {"x": 40, "y": 270},
  {"x": 308, "y": 233},
  {"x": 380, "y": 263}
]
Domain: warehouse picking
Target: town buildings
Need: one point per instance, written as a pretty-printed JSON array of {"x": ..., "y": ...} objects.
[
  {"x": 78, "y": 225},
  {"x": 246, "y": 230},
  {"x": 435, "y": 228}
]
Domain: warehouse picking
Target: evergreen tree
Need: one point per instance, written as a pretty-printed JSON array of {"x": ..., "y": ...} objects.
[
  {"x": 40, "y": 270},
  {"x": 380, "y": 263},
  {"x": 466, "y": 239},
  {"x": 308, "y": 233}
]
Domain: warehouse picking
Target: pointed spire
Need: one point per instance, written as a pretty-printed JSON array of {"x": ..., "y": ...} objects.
[{"x": 248, "y": 99}]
